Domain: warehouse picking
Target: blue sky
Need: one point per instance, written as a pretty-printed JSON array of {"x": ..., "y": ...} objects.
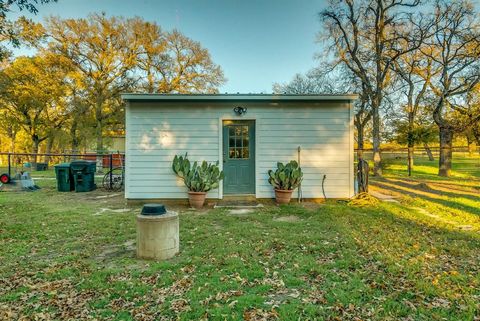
[{"x": 257, "y": 43}]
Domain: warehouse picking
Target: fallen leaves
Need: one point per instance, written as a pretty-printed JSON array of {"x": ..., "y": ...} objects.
[
  {"x": 260, "y": 315},
  {"x": 222, "y": 297},
  {"x": 180, "y": 305},
  {"x": 61, "y": 297}
]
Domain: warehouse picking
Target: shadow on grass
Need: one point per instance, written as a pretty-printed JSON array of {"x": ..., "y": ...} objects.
[
  {"x": 448, "y": 204},
  {"x": 429, "y": 189}
]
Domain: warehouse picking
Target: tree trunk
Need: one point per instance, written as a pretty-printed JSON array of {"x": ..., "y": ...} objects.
[
  {"x": 150, "y": 80},
  {"x": 411, "y": 150},
  {"x": 48, "y": 149},
  {"x": 74, "y": 137},
  {"x": 429, "y": 152},
  {"x": 360, "y": 140},
  {"x": 410, "y": 136},
  {"x": 377, "y": 158},
  {"x": 13, "y": 136},
  {"x": 99, "y": 132},
  {"x": 476, "y": 134},
  {"x": 445, "y": 159},
  {"x": 35, "y": 146},
  {"x": 99, "y": 125}
]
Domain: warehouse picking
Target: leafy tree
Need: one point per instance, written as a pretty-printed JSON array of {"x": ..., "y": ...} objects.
[
  {"x": 174, "y": 63},
  {"x": 115, "y": 55},
  {"x": 472, "y": 132},
  {"x": 14, "y": 32},
  {"x": 33, "y": 95},
  {"x": 10, "y": 128},
  {"x": 104, "y": 51},
  {"x": 420, "y": 134}
]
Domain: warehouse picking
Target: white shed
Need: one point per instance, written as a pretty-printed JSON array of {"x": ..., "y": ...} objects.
[{"x": 246, "y": 134}]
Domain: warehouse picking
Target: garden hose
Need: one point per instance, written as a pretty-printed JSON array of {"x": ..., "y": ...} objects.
[{"x": 323, "y": 187}]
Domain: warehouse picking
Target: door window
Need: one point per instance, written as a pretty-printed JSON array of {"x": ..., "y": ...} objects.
[{"x": 238, "y": 142}]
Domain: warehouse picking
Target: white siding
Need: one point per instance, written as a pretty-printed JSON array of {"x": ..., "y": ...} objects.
[{"x": 156, "y": 131}]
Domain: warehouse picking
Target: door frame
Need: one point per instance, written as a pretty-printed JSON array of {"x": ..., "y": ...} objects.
[{"x": 220, "y": 148}]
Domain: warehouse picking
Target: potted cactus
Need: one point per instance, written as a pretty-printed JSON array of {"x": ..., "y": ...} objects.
[
  {"x": 284, "y": 180},
  {"x": 199, "y": 179}
]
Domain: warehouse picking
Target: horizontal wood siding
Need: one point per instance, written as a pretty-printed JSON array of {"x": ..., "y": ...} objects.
[{"x": 156, "y": 131}]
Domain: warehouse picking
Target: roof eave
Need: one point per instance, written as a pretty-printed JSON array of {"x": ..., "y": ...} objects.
[{"x": 227, "y": 97}]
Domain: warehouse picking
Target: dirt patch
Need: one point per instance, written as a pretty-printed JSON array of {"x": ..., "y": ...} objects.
[
  {"x": 313, "y": 205},
  {"x": 126, "y": 249},
  {"x": 240, "y": 211},
  {"x": 384, "y": 197},
  {"x": 289, "y": 218},
  {"x": 107, "y": 196}
]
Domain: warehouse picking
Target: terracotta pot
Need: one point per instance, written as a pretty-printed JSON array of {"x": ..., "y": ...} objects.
[
  {"x": 197, "y": 199},
  {"x": 283, "y": 196}
]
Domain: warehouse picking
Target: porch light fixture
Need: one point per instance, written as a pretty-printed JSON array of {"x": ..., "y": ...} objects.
[{"x": 239, "y": 110}]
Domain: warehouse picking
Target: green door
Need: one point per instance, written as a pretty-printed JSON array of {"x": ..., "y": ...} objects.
[{"x": 239, "y": 156}]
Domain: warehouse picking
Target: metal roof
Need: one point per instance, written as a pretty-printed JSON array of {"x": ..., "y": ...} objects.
[{"x": 226, "y": 97}]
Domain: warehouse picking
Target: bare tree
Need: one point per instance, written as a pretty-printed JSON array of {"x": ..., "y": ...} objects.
[
  {"x": 310, "y": 83},
  {"x": 454, "y": 49},
  {"x": 333, "y": 79},
  {"x": 368, "y": 37},
  {"x": 362, "y": 117},
  {"x": 415, "y": 72}
]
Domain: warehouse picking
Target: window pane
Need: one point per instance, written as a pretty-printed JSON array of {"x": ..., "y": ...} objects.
[{"x": 238, "y": 142}]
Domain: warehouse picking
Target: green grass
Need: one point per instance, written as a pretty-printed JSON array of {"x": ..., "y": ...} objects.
[
  {"x": 463, "y": 168},
  {"x": 415, "y": 260}
]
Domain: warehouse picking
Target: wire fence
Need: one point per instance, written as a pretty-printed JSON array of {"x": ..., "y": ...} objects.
[
  {"x": 419, "y": 151},
  {"x": 12, "y": 163}
]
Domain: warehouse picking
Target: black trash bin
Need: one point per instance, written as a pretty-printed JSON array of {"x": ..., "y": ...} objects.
[
  {"x": 65, "y": 180},
  {"x": 84, "y": 175},
  {"x": 41, "y": 166}
]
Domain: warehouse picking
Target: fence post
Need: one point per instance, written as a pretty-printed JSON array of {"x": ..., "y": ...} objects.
[
  {"x": 9, "y": 166},
  {"x": 111, "y": 171}
]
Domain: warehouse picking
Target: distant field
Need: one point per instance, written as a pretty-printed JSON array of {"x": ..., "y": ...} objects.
[{"x": 464, "y": 166}]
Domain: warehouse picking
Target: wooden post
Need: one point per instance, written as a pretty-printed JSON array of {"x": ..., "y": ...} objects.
[
  {"x": 111, "y": 171},
  {"x": 9, "y": 165}
]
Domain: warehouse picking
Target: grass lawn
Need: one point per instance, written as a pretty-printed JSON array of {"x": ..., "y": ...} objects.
[{"x": 72, "y": 256}]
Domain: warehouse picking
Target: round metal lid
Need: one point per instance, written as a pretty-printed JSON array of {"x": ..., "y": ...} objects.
[{"x": 154, "y": 209}]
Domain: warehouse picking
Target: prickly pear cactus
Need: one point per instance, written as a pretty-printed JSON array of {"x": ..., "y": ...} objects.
[
  {"x": 197, "y": 178},
  {"x": 286, "y": 177}
]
